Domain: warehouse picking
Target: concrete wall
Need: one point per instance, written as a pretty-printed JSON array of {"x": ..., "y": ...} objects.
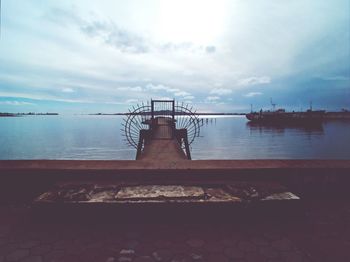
[{"x": 21, "y": 180}]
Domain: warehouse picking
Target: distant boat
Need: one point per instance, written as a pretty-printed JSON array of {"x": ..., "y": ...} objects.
[
  {"x": 280, "y": 127},
  {"x": 281, "y": 116}
]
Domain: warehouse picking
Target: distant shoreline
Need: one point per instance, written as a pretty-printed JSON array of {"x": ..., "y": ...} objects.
[
  {"x": 27, "y": 114},
  {"x": 200, "y": 114},
  {"x": 328, "y": 115},
  {"x": 108, "y": 114}
]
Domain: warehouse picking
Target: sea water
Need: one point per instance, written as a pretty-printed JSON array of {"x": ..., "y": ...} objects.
[{"x": 221, "y": 137}]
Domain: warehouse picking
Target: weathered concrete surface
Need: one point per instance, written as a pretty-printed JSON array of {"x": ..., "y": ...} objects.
[
  {"x": 195, "y": 194},
  {"x": 27, "y": 178},
  {"x": 145, "y": 192}
]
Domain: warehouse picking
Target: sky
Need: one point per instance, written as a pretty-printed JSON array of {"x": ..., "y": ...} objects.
[{"x": 84, "y": 56}]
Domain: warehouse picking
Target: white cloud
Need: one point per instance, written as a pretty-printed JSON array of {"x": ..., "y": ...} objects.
[
  {"x": 163, "y": 98},
  {"x": 162, "y": 87},
  {"x": 251, "y": 94},
  {"x": 16, "y": 103},
  {"x": 131, "y": 101},
  {"x": 68, "y": 90},
  {"x": 113, "y": 103},
  {"x": 335, "y": 78},
  {"x": 212, "y": 98},
  {"x": 221, "y": 91},
  {"x": 130, "y": 88},
  {"x": 113, "y": 56},
  {"x": 168, "y": 89},
  {"x": 127, "y": 41},
  {"x": 189, "y": 97},
  {"x": 182, "y": 93},
  {"x": 218, "y": 84},
  {"x": 43, "y": 97},
  {"x": 254, "y": 81}
]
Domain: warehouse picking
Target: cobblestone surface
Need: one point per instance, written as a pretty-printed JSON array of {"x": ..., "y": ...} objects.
[{"x": 323, "y": 234}]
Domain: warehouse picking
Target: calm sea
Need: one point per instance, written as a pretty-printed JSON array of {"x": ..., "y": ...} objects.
[{"x": 99, "y": 137}]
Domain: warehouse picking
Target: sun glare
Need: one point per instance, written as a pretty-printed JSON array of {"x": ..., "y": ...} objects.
[{"x": 199, "y": 22}]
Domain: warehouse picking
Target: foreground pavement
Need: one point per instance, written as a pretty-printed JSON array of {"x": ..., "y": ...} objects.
[{"x": 321, "y": 233}]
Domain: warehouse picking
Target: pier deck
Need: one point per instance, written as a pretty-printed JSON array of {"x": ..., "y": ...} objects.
[{"x": 163, "y": 147}]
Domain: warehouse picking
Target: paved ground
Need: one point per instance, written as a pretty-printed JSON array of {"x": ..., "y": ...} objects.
[{"x": 323, "y": 234}]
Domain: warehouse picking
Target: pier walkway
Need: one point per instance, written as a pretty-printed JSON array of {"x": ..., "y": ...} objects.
[{"x": 163, "y": 146}]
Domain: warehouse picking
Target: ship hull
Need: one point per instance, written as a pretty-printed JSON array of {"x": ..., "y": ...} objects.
[{"x": 293, "y": 117}]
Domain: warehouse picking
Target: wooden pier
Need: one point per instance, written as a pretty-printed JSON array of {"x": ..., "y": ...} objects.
[{"x": 162, "y": 142}]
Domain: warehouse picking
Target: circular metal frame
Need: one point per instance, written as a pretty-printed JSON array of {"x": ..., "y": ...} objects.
[
  {"x": 134, "y": 122},
  {"x": 136, "y": 119}
]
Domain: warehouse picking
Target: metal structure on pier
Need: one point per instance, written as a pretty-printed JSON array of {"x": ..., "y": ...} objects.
[{"x": 161, "y": 119}]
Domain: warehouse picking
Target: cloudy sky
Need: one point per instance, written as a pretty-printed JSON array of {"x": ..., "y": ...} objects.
[{"x": 76, "y": 56}]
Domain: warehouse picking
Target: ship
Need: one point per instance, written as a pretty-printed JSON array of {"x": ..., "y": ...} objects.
[
  {"x": 310, "y": 116},
  {"x": 281, "y": 116}
]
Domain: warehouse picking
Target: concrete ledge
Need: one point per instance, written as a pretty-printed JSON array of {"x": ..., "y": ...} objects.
[
  {"x": 176, "y": 170},
  {"x": 172, "y": 165},
  {"x": 31, "y": 177}
]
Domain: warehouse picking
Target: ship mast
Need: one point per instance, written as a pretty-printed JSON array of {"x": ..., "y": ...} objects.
[{"x": 273, "y": 104}]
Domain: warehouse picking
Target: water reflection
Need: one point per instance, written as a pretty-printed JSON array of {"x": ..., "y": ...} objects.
[
  {"x": 279, "y": 128},
  {"x": 226, "y": 137}
]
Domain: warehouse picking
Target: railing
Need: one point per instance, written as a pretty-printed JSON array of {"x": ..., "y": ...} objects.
[{"x": 163, "y": 108}]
